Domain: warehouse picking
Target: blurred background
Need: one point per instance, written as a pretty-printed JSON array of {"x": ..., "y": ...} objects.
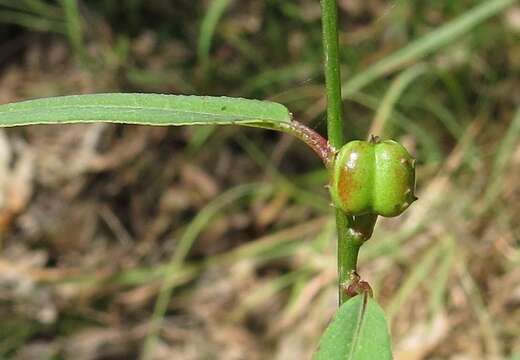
[{"x": 94, "y": 218}]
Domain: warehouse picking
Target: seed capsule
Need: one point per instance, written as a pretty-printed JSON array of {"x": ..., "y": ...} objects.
[{"x": 373, "y": 177}]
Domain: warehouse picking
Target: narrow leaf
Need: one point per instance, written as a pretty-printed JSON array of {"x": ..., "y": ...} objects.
[
  {"x": 145, "y": 109},
  {"x": 358, "y": 332},
  {"x": 209, "y": 23},
  {"x": 426, "y": 44}
]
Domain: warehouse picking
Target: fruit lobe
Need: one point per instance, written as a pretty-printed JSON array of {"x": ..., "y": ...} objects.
[{"x": 373, "y": 177}]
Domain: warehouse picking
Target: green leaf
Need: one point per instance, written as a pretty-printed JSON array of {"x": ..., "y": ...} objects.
[
  {"x": 209, "y": 23},
  {"x": 357, "y": 332},
  {"x": 427, "y": 44},
  {"x": 146, "y": 109}
]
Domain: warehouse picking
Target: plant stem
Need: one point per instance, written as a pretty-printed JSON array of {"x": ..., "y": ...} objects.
[
  {"x": 348, "y": 249},
  {"x": 348, "y": 242},
  {"x": 329, "y": 18}
]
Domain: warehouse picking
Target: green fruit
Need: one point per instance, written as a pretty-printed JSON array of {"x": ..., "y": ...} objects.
[{"x": 373, "y": 177}]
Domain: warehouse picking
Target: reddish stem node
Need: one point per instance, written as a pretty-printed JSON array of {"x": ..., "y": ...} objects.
[{"x": 356, "y": 286}]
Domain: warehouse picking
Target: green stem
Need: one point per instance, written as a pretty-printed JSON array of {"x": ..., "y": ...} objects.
[
  {"x": 329, "y": 18},
  {"x": 348, "y": 241},
  {"x": 348, "y": 249}
]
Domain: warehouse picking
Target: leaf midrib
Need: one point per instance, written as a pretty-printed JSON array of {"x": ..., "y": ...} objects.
[{"x": 359, "y": 325}]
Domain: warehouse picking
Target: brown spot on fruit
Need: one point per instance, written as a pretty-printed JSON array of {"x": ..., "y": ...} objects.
[{"x": 346, "y": 184}]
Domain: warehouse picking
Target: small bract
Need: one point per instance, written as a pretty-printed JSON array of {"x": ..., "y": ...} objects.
[{"x": 373, "y": 177}]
